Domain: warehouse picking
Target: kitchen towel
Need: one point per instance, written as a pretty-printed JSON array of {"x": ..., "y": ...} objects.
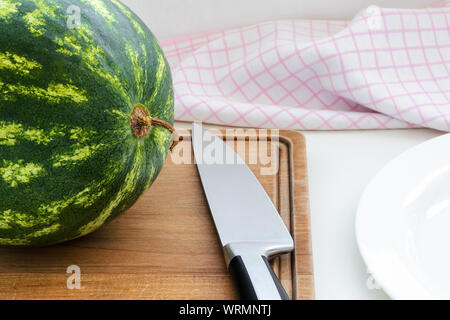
[{"x": 387, "y": 68}]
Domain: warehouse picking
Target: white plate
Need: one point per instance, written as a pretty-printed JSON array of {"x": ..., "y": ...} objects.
[{"x": 403, "y": 223}]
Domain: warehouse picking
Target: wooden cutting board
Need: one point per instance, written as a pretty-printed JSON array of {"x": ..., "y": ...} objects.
[{"x": 166, "y": 246}]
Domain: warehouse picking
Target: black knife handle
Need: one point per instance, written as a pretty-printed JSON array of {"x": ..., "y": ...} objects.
[{"x": 255, "y": 280}]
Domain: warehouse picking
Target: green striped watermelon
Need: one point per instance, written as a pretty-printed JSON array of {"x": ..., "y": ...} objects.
[{"x": 85, "y": 117}]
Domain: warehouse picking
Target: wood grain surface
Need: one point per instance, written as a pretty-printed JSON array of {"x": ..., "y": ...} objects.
[{"x": 166, "y": 246}]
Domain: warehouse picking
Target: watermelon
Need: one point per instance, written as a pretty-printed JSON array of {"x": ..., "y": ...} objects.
[{"x": 86, "y": 114}]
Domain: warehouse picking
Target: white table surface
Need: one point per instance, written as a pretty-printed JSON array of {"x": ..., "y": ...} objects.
[{"x": 340, "y": 163}]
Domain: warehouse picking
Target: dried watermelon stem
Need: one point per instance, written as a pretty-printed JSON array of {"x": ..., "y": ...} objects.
[
  {"x": 141, "y": 123},
  {"x": 161, "y": 123}
]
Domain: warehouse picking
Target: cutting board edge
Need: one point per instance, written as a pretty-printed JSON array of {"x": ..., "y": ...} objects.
[{"x": 296, "y": 143}]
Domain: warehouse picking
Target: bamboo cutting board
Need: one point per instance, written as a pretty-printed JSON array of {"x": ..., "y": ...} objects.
[{"x": 166, "y": 246}]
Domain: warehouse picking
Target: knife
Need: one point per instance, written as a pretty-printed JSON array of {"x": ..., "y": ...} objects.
[{"x": 249, "y": 226}]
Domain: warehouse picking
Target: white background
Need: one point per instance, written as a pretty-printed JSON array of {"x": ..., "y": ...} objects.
[
  {"x": 168, "y": 18},
  {"x": 340, "y": 163}
]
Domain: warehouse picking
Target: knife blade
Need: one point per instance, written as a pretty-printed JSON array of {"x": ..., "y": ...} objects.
[{"x": 249, "y": 226}]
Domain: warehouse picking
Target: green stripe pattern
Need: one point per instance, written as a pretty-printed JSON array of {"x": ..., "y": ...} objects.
[{"x": 69, "y": 161}]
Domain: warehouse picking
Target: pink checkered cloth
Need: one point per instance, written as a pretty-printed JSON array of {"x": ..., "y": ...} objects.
[{"x": 387, "y": 68}]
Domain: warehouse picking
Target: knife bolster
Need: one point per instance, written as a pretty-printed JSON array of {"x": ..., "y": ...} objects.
[{"x": 267, "y": 250}]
